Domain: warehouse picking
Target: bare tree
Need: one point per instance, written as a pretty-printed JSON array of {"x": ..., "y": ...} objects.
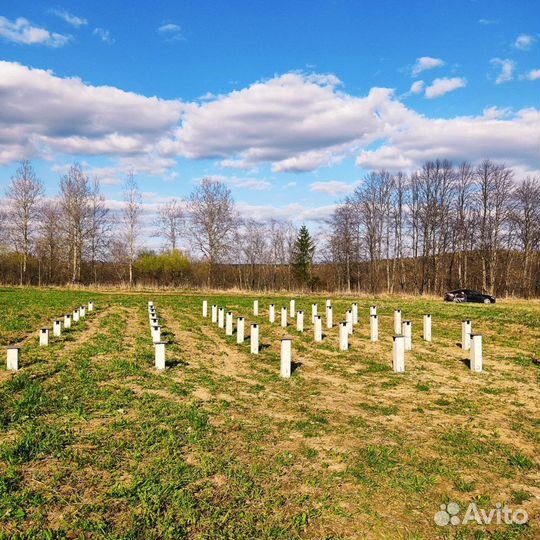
[
  {"x": 50, "y": 240},
  {"x": 212, "y": 222},
  {"x": 170, "y": 223},
  {"x": 344, "y": 248},
  {"x": 23, "y": 192},
  {"x": 131, "y": 215},
  {"x": 74, "y": 200},
  {"x": 526, "y": 216},
  {"x": 494, "y": 194},
  {"x": 99, "y": 227}
]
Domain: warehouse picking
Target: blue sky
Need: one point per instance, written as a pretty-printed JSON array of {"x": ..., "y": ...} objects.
[{"x": 290, "y": 103}]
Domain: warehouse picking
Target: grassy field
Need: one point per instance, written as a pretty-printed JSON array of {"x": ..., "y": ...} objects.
[{"x": 94, "y": 443}]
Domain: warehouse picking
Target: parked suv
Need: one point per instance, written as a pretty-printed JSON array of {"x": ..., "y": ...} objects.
[{"x": 467, "y": 295}]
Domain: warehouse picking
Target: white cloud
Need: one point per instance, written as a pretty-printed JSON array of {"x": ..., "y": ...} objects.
[
  {"x": 424, "y": 63},
  {"x": 104, "y": 35},
  {"x": 524, "y": 42},
  {"x": 417, "y": 87},
  {"x": 512, "y": 139},
  {"x": 71, "y": 19},
  {"x": 23, "y": 32},
  {"x": 172, "y": 31},
  {"x": 295, "y": 212},
  {"x": 507, "y": 69},
  {"x": 533, "y": 75},
  {"x": 294, "y": 121},
  {"x": 488, "y": 21},
  {"x": 333, "y": 187},
  {"x": 255, "y": 184},
  {"x": 439, "y": 87},
  {"x": 43, "y": 114}
]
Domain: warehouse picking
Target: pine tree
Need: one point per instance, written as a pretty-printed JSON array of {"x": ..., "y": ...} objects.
[{"x": 303, "y": 251}]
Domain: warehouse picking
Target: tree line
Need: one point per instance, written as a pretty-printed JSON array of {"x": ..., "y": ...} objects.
[{"x": 443, "y": 226}]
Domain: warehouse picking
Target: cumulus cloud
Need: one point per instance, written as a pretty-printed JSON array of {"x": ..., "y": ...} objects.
[
  {"x": 439, "y": 87},
  {"x": 293, "y": 122},
  {"x": 172, "y": 31},
  {"x": 510, "y": 138},
  {"x": 332, "y": 187},
  {"x": 533, "y": 75},
  {"x": 524, "y": 42},
  {"x": 424, "y": 63},
  {"x": 296, "y": 122},
  {"x": 104, "y": 35},
  {"x": 43, "y": 113},
  {"x": 23, "y": 32},
  {"x": 417, "y": 87},
  {"x": 71, "y": 19},
  {"x": 507, "y": 68}
]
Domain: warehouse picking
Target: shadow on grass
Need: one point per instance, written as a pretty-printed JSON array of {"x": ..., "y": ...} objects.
[
  {"x": 466, "y": 362},
  {"x": 176, "y": 362}
]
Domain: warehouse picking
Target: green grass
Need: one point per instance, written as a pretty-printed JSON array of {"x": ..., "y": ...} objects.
[{"x": 94, "y": 443}]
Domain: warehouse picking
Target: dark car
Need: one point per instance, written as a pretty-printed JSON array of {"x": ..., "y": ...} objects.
[{"x": 467, "y": 295}]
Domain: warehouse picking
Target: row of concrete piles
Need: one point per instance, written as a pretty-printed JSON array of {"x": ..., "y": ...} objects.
[
  {"x": 402, "y": 338},
  {"x": 13, "y": 353},
  {"x": 155, "y": 333}
]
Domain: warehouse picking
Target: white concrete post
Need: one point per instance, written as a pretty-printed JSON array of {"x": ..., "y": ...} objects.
[
  {"x": 154, "y": 321},
  {"x": 329, "y": 317},
  {"x": 13, "y": 359},
  {"x": 313, "y": 313},
  {"x": 343, "y": 336},
  {"x": 374, "y": 327},
  {"x": 156, "y": 334},
  {"x": 427, "y": 327},
  {"x": 67, "y": 320},
  {"x": 57, "y": 328},
  {"x": 398, "y": 354},
  {"x": 300, "y": 321},
  {"x": 466, "y": 331},
  {"x": 214, "y": 313},
  {"x": 407, "y": 333},
  {"x": 76, "y": 315},
  {"x": 355, "y": 313},
  {"x": 349, "y": 319},
  {"x": 397, "y": 322},
  {"x": 284, "y": 317},
  {"x": 476, "y": 352},
  {"x": 90, "y": 306},
  {"x": 44, "y": 337},
  {"x": 272, "y": 313},
  {"x": 229, "y": 324},
  {"x": 240, "y": 330},
  {"x": 317, "y": 328},
  {"x": 254, "y": 339},
  {"x": 159, "y": 355},
  {"x": 373, "y": 310},
  {"x": 328, "y": 303},
  {"x": 221, "y": 318},
  {"x": 205, "y": 308},
  {"x": 150, "y": 304},
  {"x": 82, "y": 311},
  {"x": 256, "y": 308},
  {"x": 286, "y": 358},
  {"x": 292, "y": 308}
]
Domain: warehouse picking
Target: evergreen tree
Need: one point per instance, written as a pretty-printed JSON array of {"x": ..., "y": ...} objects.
[{"x": 303, "y": 251}]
